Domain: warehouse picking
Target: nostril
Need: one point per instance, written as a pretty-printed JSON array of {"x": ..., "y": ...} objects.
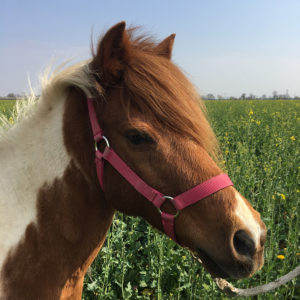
[{"x": 243, "y": 244}]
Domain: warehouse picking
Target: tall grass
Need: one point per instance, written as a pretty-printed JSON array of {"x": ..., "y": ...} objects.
[{"x": 261, "y": 144}]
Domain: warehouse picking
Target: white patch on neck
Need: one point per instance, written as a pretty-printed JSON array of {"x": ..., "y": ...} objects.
[
  {"x": 32, "y": 153},
  {"x": 247, "y": 218}
]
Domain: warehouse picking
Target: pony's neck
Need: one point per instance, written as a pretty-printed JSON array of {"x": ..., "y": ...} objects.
[{"x": 54, "y": 218}]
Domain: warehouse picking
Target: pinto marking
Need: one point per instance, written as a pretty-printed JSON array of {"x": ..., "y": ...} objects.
[
  {"x": 245, "y": 213},
  {"x": 26, "y": 167}
]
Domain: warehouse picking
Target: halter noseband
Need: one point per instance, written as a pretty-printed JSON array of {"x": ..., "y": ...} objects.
[{"x": 181, "y": 201}]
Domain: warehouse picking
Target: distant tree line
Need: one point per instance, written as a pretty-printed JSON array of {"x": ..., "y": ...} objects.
[
  {"x": 13, "y": 96},
  {"x": 209, "y": 96},
  {"x": 275, "y": 95}
]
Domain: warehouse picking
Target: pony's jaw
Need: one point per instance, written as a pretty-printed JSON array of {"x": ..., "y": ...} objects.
[{"x": 229, "y": 243}]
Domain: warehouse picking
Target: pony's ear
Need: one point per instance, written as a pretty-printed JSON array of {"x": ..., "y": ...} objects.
[
  {"x": 112, "y": 54},
  {"x": 165, "y": 47}
]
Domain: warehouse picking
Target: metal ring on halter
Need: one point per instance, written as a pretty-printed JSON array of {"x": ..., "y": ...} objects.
[
  {"x": 171, "y": 199},
  {"x": 106, "y": 142}
]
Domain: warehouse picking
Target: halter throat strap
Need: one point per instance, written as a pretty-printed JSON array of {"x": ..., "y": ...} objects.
[{"x": 181, "y": 201}]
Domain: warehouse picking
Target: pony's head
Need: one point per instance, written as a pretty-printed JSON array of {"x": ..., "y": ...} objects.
[{"x": 153, "y": 119}]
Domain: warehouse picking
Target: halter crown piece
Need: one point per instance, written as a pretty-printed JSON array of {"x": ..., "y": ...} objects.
[{"x": 181, "y": 201}]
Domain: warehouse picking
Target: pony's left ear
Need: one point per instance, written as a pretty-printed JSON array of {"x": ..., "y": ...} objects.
[
  {"x": 112, "y": 54},
  {"x": 166, "y": 46}
]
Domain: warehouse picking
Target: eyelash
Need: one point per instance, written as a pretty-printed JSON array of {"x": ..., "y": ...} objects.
[{"x": 136, "y": 137}]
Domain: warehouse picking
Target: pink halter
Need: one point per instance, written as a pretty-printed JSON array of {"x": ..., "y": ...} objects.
[{"x": 181, "y": 201}]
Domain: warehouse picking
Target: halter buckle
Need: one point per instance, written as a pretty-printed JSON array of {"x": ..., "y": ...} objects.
[{"x": 171, "y": 200}]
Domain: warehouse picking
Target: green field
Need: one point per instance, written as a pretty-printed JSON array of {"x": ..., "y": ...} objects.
[
  {"x": 260, "y": 141},
  {"x": 6, "y": 107}
]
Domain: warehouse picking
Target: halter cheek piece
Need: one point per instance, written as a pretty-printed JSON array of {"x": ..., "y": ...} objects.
[{"x": 181, "y": 201}]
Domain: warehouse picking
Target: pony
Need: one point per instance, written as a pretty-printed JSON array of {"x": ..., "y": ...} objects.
[{"x": 54, "y": 213}]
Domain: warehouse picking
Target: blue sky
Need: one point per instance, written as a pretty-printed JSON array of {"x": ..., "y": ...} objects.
[{"x": 226, "y": 47}]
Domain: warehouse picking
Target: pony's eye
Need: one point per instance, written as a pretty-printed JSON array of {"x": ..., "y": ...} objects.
[{"x": 136, "y": 137}]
